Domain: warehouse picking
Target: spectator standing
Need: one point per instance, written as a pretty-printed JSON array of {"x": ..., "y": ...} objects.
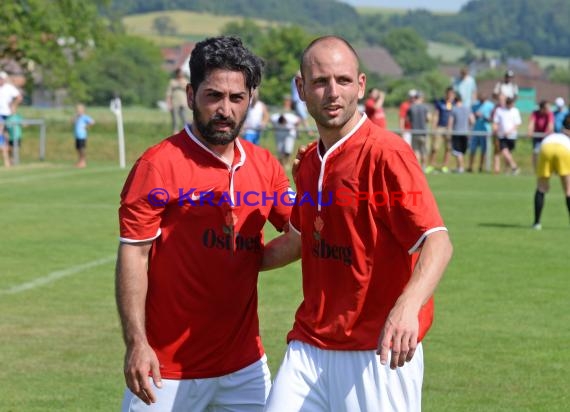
[
  {"x": 81, "y": 122},
  {"x": 10, "y": 99},
  {"x": 499, "y": 101},
  {"x": 176, "y": 99},
  {"x": 285, "y": 124},
  {"x": 404, "y": 121},
  {"x": 299, "y": 106},
  {"x": 483, "y": 115},
  {"x": 506, "y": 122},
  {"x": 441, "y": 136},
  {"x": 459, "y": 123},
  {"x": 256, "y": 119},
  {"x": 507, "y": 87},
  {"x": 559, "y": 113},
  {"x": 14, "y": 129},
  {"x": 418, "y": 116},
  {"x": 466, "y": 87},
  {"x": 541, "y": 121},
  {"x": 374, "y": 107}
]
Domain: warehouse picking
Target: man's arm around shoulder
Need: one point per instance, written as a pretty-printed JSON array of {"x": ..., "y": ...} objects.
[{"x": 282, "y": 250}]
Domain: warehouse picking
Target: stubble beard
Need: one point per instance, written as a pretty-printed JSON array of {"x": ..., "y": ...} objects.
[
  {"x": 327, "y": 122},
  {"x": 212, "y": 136}
]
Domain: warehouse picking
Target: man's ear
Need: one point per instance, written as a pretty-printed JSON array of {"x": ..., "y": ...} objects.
[
  {"x": 300, "y": 88},
  {"x": 361, "y": 85},
  {"x": 190, "y": 96}
]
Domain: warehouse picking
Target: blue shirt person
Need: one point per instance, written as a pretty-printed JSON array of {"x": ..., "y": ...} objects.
[{"x": 81, "y": 122}]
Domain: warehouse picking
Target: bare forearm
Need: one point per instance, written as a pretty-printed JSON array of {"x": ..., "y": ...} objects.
[
  {"x": 131, "y": 285},
  {"x": 434, "y": 257},
  {"x": 281, "y": 251}
]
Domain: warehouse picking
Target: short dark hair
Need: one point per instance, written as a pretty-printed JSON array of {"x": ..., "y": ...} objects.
[{"x": 227, "y": 53}]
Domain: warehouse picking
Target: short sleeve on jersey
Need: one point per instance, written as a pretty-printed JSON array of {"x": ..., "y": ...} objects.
[
  {"x": 295, "y": 222},
  {"x": 411, "y": 213},
  {"x": 142, "y": 202}
]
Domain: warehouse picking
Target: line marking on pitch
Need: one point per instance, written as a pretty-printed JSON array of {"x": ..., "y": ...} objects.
[
  {"x": 53, "y": 276},
  {"x": 63, "y": 173}
]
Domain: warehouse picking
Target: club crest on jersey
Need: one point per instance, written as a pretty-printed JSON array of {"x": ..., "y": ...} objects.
[
  {"x": 319, "y": 224},
  {"x": 324, "y": 250}
]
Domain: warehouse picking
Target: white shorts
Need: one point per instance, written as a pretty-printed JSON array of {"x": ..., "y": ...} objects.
[
  {"x": 313, "y": 380},
  {"x": 245, "y": 390},
  {"x": 285, "y": 143},
  {"x": 407, "y": 136}
]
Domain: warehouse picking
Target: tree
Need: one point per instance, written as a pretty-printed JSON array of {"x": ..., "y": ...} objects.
[
  {"x": 247, "y": 30},
  {"x": 468, "y": 57},
  {"x": 409, "y": 50},
  {"x": 49, "y": 36},
  {"x": 517, "y": 48},
  {"x": 164, "y": 26},
  {"x": 280, "y": 47},
  {"x": 130, "y": 67},
  {"x": 560, "y": 75}
]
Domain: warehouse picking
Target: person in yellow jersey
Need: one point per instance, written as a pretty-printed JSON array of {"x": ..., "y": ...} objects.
[{"x": 554, "y": 157}]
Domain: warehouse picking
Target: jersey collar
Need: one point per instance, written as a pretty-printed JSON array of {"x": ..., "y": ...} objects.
[
  {"x": 238, "y": 145},
  {"x": 331, "y": 150},
  {"x": 341, "y": 141}
]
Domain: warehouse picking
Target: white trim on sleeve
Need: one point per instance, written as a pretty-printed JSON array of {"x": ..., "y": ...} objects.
[
  {"x": 423, "y": 237},
  {"x": 133, "y": 241}
]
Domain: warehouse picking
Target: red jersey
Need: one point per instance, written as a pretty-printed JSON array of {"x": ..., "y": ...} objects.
[
  {"x": 376, "y": 115},
  {"x": 358, "y": 255},
  {"x": 541, "y": 120},
  {"x": 201, "y": 306},
  {"x": 404, "y": 107}
]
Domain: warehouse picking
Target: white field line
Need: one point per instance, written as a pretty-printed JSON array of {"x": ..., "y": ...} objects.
[
  {"x": 43, "y": 176},
  {"x": 88, "y": 205},
  {"x": 53, "y": 276}
]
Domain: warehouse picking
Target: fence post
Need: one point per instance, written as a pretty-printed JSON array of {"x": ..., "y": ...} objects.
[{"x": 42, "y": 141}]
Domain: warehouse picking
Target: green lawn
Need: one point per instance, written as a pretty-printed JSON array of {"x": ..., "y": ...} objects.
[{"x": 499, "y": 342}]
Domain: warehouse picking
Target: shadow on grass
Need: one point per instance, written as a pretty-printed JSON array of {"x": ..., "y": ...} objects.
[{"x": 504, "y": 225}]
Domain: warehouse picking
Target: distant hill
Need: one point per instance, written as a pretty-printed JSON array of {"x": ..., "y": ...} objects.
[
  {"x": 489, "y": 24},
  {"x": 494, "y": 24},
  {"x": 188, "y": 25},
  {"x": 309, "y": 13}
]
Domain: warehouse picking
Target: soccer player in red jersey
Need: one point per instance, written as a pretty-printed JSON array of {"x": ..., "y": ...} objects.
[
  {"x": 369, "y": 270},
  {"x": 191, "y": 218}
]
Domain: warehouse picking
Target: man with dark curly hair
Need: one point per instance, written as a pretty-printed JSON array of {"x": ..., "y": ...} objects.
[{"x": 191, "y": 246}]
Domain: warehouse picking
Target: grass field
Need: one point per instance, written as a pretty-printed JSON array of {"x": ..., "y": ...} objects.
[{"x": 499, "y": 342}]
